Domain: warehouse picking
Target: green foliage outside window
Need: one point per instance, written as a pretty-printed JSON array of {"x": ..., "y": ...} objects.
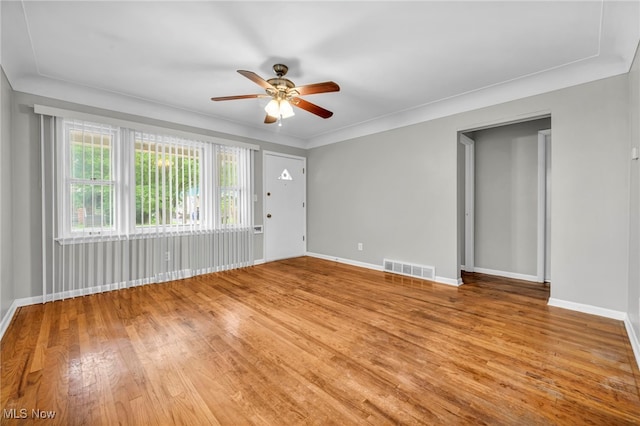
[
  {"x": 228, "y": 183},
  {"x": 167, "y": 181},
  {"x": 167, "y": 189},
  {"x": 92, "y": 187}
]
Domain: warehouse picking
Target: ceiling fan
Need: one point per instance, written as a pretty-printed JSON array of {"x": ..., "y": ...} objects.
[{"x": 284, "y": 93}]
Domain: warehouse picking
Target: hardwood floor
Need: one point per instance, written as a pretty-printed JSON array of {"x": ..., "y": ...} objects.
[{"x": 307, "y": 341}]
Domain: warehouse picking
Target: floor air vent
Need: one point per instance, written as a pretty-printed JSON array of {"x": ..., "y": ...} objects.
[{"x": 409, "y": 269}]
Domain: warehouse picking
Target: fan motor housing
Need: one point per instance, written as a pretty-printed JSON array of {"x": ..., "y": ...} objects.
[{"x": 281, "y": 83}]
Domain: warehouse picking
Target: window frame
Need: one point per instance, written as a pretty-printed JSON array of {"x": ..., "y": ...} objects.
[
  {"x": 66, "y": 212},
  {"x": 123, "y": 182}
]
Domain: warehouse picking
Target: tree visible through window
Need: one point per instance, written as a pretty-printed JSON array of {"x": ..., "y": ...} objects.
[
  {"x": 120, "y": 181},
  {"x": 229, "y": 190},
  {"x": 167, "y": 176},
  {"x": 233, "y": 185}
]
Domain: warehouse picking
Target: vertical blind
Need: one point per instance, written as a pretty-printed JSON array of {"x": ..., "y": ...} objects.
[
  {"x": 124, "y": 207},
  {"x": 168, "y": 182}
]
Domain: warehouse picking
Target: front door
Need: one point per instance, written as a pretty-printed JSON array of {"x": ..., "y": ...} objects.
[{"x": 284, "y": 195}]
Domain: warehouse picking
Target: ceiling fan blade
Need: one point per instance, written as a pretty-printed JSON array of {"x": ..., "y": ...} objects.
[
  {"x": 231, "y": 98},
  {"x": 256, "y": 79},
  {"x": 312, "y": 108},
  {"x": 310, "y": 89},
  {"x": 269, "y": 119}
]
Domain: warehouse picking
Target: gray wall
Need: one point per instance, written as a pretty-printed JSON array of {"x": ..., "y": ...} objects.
[
  {"x": 633, "y": 302},
  {"x": 6, "y": 188},
  {"x": 506, "y": 197},
  {"x": 25, "y": 159},
  {"x": 397, "y": 191}
]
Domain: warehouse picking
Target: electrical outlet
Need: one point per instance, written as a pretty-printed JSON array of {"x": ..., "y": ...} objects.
[{"x": 360, "y": 247}]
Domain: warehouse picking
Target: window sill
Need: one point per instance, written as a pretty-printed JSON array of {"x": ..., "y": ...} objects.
[{"x": 89, "y": 239}]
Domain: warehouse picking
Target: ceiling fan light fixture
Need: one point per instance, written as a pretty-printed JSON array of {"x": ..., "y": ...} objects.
[
  {"x": 279, "y": 109},
  {"x": 284, "y": 95},
  {"x": 273, "y": 108},
  {"x": 286, "y": 110}
]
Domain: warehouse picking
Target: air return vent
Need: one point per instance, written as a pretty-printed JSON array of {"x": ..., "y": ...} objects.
[{"x": 409, "y": 269}]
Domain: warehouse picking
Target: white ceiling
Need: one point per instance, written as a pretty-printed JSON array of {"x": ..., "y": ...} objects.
[{"x": 397, "y": 63}]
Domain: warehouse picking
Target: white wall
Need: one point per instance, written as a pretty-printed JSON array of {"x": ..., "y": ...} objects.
[{"x": 397, "y": 191}]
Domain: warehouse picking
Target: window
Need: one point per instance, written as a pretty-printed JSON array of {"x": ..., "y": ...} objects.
[
  {"x": 89, "y": 179},
  {"x": 168, "y": 181},
  {"x": 120, "y": 181},
  {"x": 232, "y": 186}
]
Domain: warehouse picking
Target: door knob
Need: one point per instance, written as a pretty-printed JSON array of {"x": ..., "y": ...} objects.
[{"x": 268, "y": 215}]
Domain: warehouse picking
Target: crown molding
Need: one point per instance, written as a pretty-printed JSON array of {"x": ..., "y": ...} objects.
[{"x": 91, "y": 97}]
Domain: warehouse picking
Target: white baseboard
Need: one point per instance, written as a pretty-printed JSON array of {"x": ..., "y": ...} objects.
[
  {"x": 17, "y": 303},
  {"x": 6, "y": 320},
  {"x": 258, "y": 262},
  {"x": 439, "y": 280},
  {"x": 449, "y": 281},
  {"x": 346, "y": 261},
  {"x": 633, "y": 339},
  {"x": 505, "y": 274},
  {"x": 588, "y": 309}
]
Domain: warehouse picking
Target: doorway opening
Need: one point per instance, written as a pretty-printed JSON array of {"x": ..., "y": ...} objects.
[{"x": 504, "y": 199}]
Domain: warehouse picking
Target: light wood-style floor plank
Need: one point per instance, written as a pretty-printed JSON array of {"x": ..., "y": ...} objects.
[{"x": 308, "y": 341}]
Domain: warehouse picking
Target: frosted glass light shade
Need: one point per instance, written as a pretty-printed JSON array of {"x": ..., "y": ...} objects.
[
  {"x": 273, "y": 108},
  {"x": 286, "y": 110},
  {"x": 279, "y": 109}
]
